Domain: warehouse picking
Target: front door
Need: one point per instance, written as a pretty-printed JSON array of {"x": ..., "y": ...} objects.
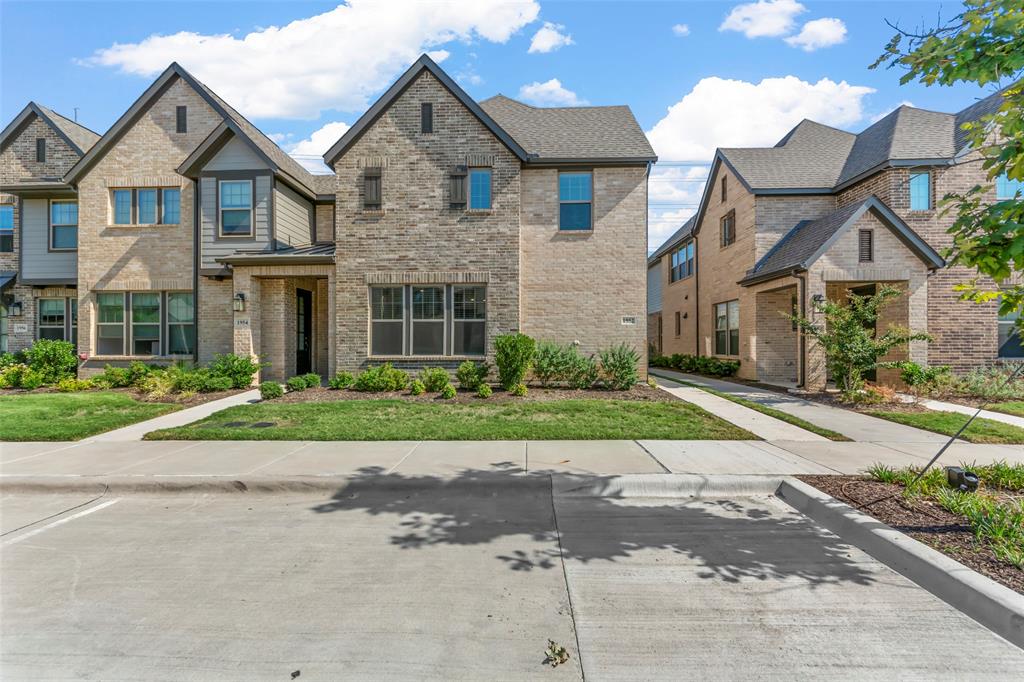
[
  {"x": 868, "y": 290},
  {"x": 303, "y": 331}
]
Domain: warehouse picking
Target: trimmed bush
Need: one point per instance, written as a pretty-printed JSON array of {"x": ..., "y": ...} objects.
[
  {"x": 52, "y": 360},
  {"x": 11, "y": 375},
  {"x": 513, "y": 354},
  {"x": 115, "y": 377},
  {"x": 519, "y": 390},
  {"x": 923, "y": 379},
  {"x": 313, "y": 380},
  {"x": 270, "y": 390},
  {"x": 212, "y": 383},
  {"x": 296, "y": 384},
  {"x": 341, "y": 381},
  {"x": 434, "y": 378},
  {"x": 583, "y": 371},
  {"x": 552, "y": 362},
  {"x": 619, "y": 364},
  {"x": 8, "y": 359},
  {"x": 417, "y": 388},
  {"x": 472, "y": 374},
  {"x": 72, "y": 385},
  {"x": 448, "y": 392},
  {"x": 240, "y": 369},
  {"x": 484, "y": 391},
  {"x": 697, "y": 364},
  {"x": 382, "y": 378}
]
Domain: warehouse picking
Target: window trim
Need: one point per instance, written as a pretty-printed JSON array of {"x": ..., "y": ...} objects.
[
  {"x": 426, "y": 118},
  {"x": 469, "y": 320},
  {"x": 40, "y": 150},
  {"x": 51, "y": 225},
  {"x": 220, "y": 209},
  {"x": 408, "y": 321},
  {"x": 730, "y": 216},
  {"x": 490, "y": 188},
  {"x": 125, "y": 313},
  {"x": 181, "y": 119},
  {"x": 910, "y": 191},
  {"x": 558, "y": 190},
  {"x": 691, "y": 259},
  {"x": 7, "y": 232},
  {"x": 63, "y": 326},
  {"x": 728, "y": 330},
  {"x": 870, "y": 235}
]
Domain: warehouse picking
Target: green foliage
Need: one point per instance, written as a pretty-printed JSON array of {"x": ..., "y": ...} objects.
[
  {"x": 312, "y": 379},
  {"x": 73, "y": 385},
  {"x": 651, "y": 382},
  {"x": 990, "y": 382},
  {"x": 448, "y": 392},
  {"x": 417, "y": 387},
  {"x": 697, "y": 364},
  {"x": 513, "y": 355},
  {"x": 619, "y": 365},
  {"x": 31, "y": 379},
  {"x": 52, "y": 360},
  {"x": 10, "y": 375},
  {"x": 583, "y": 371},
  {"x": 270, "y": 390},
  {"x": 214, "y": 383},
  {"x": 564, "y": 364},
  {"x": 239, "y": 368},
  {"x": 923, "y": 380},
  {"x": 115, "y": 377},
  {"x": 434, "y": 378},
  {"x": 882, "y": 473},
  {"x": 982, "y": 45},
  {"x": 518, "y": 390},
  {"x": 296, "y": 383},
  {"x": 998, "y": 523},
  {"x": 8, "y": 359},
  {"x": 341, "y": 381},
  {"x": 382, "y": 378},
  {"x": 484, "y": 391},
  {"x": 472, "y": 374},
  {"x": 848, "y": 336}
]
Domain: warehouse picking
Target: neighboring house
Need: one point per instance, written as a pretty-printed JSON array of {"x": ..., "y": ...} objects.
[
  {"x": 38, "y": 227},
  {"x": 445, "y": 223},
  {"x": 822, "y": 213}
]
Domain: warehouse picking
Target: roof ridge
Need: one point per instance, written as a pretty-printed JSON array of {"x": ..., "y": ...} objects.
[{"x": 57, "y": 113}]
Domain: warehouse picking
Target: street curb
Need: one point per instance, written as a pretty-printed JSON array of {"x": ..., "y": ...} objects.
[
  {"x": 995, "y": 606},
  {"x": 667, "y": 485}
]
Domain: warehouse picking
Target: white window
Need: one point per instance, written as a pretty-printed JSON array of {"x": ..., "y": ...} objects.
[
  {"x": 181, "y": 323},
  {"x": 727, "y": 328},
  {"x": 236, "y": 208},
  {"x": 51, "y": 316},
  {"x": 145, "y": 323},
  {"x": 428, "y": 320},
  {"x": 469, "y": 317},
  {"x": 387, "y": 321},
  {"x": 63, "y": 225},
  {"x": 110, "y": 324}
]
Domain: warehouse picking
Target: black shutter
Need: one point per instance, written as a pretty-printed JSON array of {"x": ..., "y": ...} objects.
[
  {"x": 41, "y": 149},
  {"x": 458, "y": 186},
  {"x": 426, "y": 117},
  {"x": 866, "y": 247},
  {"x": 181, "y": 114},
  {"x": 371, "y": 188}
]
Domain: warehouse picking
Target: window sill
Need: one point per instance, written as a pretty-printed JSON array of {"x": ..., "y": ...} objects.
[
  {"x": 423, "y": 358},
  {"x": 136, "y": 358},
  {"x": 583, "y": 232},
  {"x": 372, "y": 212},
  {"x": 111, "y": 226},
  {"x": 479, "y": 211}
]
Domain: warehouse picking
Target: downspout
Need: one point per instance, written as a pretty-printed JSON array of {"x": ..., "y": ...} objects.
[
  {"x": 196, "y": 228},
  {"x": 696, "y": 297},
  {"x": 802, "y": 360}
]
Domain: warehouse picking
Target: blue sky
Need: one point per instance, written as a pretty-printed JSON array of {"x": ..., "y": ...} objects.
[{"x": 696, "y": 74}]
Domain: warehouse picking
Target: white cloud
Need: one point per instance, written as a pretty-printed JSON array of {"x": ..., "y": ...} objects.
[
  {"x": 681, "y": 30},
  {"x": 549, "y": 38},
  {"x": 673, "y": 194},
  {"x": 763, "y": 18},
  {"x": 335, "y": 60},
  {"x": 661, "y": 225},
  {"x": 309, "y": 151},
  {"x": 818, "y": 34},
  {"x": 549, "y": 93},
  {"x": 732, "y": 113}
]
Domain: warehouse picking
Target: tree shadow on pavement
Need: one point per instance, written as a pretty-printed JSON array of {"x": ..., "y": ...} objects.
[{"x": 745, "y": 538}]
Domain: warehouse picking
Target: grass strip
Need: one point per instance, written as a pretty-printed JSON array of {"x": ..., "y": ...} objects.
[
  {"x": 981, "y": 430},
  {"x": 71, "y": 416}
]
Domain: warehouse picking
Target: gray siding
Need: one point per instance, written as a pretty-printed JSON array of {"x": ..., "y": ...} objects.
[
  {"x": 38, "y": 263},
  {"x": 293, "y": 217},
  {"x": 212, "y": 245},
  {"x": 654, "y": 288},
  {"x": 235, "y": 155}
]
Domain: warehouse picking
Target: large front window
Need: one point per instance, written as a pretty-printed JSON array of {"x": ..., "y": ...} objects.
[
  {"x": 387, "y": 320},
  {"x": 110, "y": 324},
  {"x": 920, "y": 191},
  {"x": 575, "y": 201},
  {"x": 236, "y": 208},
  {"x": 146, "y": 206},
  {"x": 469, "y": 314},
  {"x": 63, "y": 225},
  {"x": 6, "y": 228},
  {"x": 428, "y": 320},
  {"x": 145, "y": 323},
  {"x": 181, "y": 323},
  {"x": 727, "y": 328}
]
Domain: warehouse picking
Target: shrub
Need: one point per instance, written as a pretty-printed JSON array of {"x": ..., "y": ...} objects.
[
  {"x": 552, "y": 362},
  {"x": 71, "y": 385},
  {"x": 159, "y": 384},
  {"x": 8, "y": 359},
  {"x": 185, "y": 380},
  {"x": 10, "y": 375},
  {"x": 434, "y": 378},
  {"x": 472, "y": 374},
  {"x": 483, "y": 391},
  {"x": 313, "y": 380},
  {"x": 448, "y": 392},
  {"x": 619, "y": 364},
  {"x": 52, "y": 360},
  {"x": 583, "y": 371},
  {"x": 31, "y": 379},
  {"x": 518, "y": 390},
  {"x": 115, "y": 377},
  {"x": 651, "y": 382},
  {"x": 270, "y": 390},
  {"x": 991, "y": 383},
  {"x": 213, "y": 382},
  {"x": 700, "y": 364},
  {"x": 656, "y": 360},
  {"x": 341, "y": 380},
  {"x": 296, "y": 384},
  {"x": 417, "y": 388},
  {"x": 240, "y": 369},
  {"x": 513, "y": 355},
  {"x": 382, "y": 378},
  {"x": 923, "y": 379}
]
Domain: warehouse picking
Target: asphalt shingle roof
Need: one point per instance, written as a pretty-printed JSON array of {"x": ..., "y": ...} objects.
[
  {"x": 83, "y": 138},
  {"x": 610, "y": 132}
]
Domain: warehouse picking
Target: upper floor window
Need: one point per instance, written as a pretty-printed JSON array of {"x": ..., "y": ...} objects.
[
  {"x": 171, "y": 206},
  {"x": 372, "y": 192},
  {"x": 236, "y": 208},
  {"x": 865, "y": 246},
  {"x": 480, "y": 189},
  {"x": 728, "y": 228},
  {"x": 727, "y": 328},
  {"x": 6, "y": 228},
  {"x": 181, "y": 119},
  {"x": 1007, "y": 188},
  {"x": 725, "y": 189},
  {"x": 426, "y": 117},
  {"x": 575, "y": 201},
  {"x": 63, "y": 225},
  {"x": 146, "y": 206},
  {"x": 682, "y": 262},
  {"x": 920, "y": 191},
  {"x": 40, "y": 149}
]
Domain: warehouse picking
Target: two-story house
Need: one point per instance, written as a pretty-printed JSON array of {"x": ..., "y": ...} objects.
[
  {"x": 445, "y": 222},
  {"x": 822, "y": 213}
]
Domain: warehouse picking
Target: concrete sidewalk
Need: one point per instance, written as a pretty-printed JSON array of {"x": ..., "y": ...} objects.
[{"x": 135, "y": 432}]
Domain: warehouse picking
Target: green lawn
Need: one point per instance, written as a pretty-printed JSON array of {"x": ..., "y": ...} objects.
[
  {"x": 1014, "y": 408},
  {"x": 71, "y": 416},
  {"x": 402, "y": 420},
  {"x": 772, "y": 412},
  {"x": 980, "y": 431}
]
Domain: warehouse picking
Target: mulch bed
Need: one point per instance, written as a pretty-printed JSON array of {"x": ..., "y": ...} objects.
[
  {"x": 175, "y": 399},
  {"x": 921, "y": 519},
  {"x": 641, "y": 392}
]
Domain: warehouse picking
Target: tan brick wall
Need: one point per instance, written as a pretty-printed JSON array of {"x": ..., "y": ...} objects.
[
  {"x": 775, "y": 216},
  {"x": 214, "y": 309},
  {"x": 776, "y": 341},
  {"x": 655, "y": 342},
  {"x": 18, "y": 340},
  {"x": 18, "y": 158},
  {"x": 579, "y": 286},
  {"x": 324, "y": 223},
  {"x": 678, "y": 297}
]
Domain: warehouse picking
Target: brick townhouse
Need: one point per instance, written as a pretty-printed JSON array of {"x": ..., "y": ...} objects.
[
  {"x": 184, "y": 231},
  {"x": 822, "y": 213}
]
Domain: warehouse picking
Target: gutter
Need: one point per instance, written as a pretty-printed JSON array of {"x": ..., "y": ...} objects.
[
  {"x": 802, "y": 360},
  {"x": 270, "y": 259}
]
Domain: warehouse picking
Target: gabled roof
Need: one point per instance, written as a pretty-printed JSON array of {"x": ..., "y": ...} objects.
[
  {"x": 678, "y": 236},
  {"x": 234, "y": 122},
  {"x": 77, "y": 136},
  {"x": 905, "y": 134},
  {"x": 810, "y": 239},
  {"x": 579, "y": 134},
  {"x": 399, "y": 86}
]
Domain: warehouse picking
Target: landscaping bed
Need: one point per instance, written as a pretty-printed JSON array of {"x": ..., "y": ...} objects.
[
  {"x": 52, "y": 416},
  {"x": 640, "y": 392}
]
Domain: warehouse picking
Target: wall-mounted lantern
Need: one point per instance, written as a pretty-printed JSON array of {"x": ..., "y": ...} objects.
[
  {"x": 15, "y": 310},
  {"x": 238, "y": 302},
  {"x": 817, "y": 298}
]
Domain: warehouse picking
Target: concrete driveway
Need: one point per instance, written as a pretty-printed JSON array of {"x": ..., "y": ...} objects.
[{"x": 466, "y": 576}]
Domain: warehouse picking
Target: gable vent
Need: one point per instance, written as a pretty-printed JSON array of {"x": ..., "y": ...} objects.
[{"x": 865, "y": 246}]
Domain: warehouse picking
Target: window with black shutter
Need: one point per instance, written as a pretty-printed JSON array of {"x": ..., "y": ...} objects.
[
  {"x": 40, "y": 149},
  {"x": 728, "y": 228},
  {"x": 426, "y": 117},
  {"x": 371, "y": 189},
  {"x": 725, "y": 189},
  {"x": 458, "y": 186},
  {"x": 181, "y": 114},
  {"x": 865, "y": 249}
]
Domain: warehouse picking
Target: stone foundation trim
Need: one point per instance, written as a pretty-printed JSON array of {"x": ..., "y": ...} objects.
[
  {"x": 428, "y": 277},
  {"x": 146, "y": 181}
]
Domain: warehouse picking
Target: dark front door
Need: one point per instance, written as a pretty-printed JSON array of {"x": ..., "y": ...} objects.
[
  {"x": 868, "y": 290},
  {"x": 303, "y": 331}
]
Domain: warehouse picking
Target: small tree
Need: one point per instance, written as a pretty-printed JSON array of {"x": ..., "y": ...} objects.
[{"x": 848, "y": 336}]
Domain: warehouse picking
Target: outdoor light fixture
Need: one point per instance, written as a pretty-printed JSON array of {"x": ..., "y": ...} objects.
[
  {"x": 961, "y": 479},
  {"x": 238, "y": 302},
  {"x": 16, "y": 309},
  {"x": 817, "y": 298}
]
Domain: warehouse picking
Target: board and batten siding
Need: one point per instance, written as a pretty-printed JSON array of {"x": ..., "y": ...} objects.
[
  {"x": 293, "y": 217},
  {"x": 654, "y": 288},
  {"x": 213, "y": 246},
  {"x": 235, "y": 155},
  {"x": 38, "y": 263}
]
